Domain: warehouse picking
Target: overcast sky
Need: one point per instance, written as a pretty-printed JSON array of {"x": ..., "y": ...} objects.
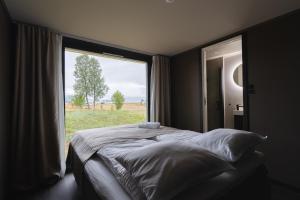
[{"x": 127, "y": 76}]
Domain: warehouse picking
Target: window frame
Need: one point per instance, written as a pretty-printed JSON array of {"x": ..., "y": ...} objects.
[{"x": 82, "y": 45}]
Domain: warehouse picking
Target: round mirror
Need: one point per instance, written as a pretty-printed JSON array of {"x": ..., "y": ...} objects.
[{"x": 238, "y": 75}]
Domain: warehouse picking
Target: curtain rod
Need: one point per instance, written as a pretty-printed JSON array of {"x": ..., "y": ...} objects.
[
  {"x": 83, "y": 38},
  {"x": 36, "y": 25},
  {"x": 105, "y": 44}
]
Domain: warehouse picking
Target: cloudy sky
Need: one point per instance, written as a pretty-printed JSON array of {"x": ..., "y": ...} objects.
[{"x": 127, "y": 76}]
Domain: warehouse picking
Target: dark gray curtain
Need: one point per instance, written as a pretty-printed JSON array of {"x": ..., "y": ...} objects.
[
  {"x": 38, "y": 115},
  {"x": 160, "y": 109}
]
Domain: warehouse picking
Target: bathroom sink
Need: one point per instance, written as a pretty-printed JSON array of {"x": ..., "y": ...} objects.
[{"x": 238, "y": 112}]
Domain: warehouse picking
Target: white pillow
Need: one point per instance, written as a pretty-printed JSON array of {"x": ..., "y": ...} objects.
[
  {"x": 164, "y": 169},
  {"x": 228, "y": 144}
]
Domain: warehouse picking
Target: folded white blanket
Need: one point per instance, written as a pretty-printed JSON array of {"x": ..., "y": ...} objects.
[{"x": 150, "y": 125}]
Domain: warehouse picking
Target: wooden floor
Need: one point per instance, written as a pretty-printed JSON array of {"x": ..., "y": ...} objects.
[{"x": 67, "y": 189}]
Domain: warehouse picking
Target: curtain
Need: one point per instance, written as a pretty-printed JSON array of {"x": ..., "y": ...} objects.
[
  {"x": 37, "y": 142},
  {"x": 160, "y": 90}
]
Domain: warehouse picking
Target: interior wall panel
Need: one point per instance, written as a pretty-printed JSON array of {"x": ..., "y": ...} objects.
[
  {"x": 186, "y": 91},
  {"x": 273, "y": 52}
]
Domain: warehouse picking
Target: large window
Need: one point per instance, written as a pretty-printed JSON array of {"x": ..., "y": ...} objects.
[{"x": 103, "y": 90}]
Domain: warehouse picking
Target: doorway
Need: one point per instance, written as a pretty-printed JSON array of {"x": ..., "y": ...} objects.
[{"x": 222, "y": 82}]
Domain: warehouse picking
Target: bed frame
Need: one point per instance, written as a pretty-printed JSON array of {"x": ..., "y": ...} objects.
[{"x": 255, "y": 187}]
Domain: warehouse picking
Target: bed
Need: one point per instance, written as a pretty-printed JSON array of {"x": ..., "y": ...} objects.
[{"x": 97, "y": 181}]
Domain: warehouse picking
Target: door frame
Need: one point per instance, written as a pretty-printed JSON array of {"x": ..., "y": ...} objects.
[{"x": 204, "y": 79}]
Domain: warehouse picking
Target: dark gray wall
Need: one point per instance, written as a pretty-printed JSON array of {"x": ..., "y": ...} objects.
[
  {"x": 273, "y": 51},
  {"x": 186, "y": 89},
  {"x": 5, "y": 92},
  {"x": 215, "y": 104},
  {"x": 273, "y": 60}
]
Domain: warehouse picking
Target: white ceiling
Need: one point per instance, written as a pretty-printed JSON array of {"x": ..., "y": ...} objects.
[{"x": 149, "y": 26}]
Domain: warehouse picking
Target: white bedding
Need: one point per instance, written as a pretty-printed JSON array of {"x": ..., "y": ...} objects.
[
  {"x": 164, "y": 169},
  {"x": 108, "y": 155},
  {"x": 107, "y": 187},
  {"x": 112, "y": 142}
]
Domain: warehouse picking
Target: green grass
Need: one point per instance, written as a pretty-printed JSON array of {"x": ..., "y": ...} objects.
[{"x": 80, "y": 119}]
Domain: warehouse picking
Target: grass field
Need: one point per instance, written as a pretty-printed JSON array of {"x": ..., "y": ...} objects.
[{"x": 103, "y": 116}]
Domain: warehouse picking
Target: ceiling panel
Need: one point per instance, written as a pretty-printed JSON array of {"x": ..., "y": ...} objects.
[{"x": 149, "y": 26}]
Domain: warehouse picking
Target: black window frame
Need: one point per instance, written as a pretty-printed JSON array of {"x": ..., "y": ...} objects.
[{"x": 82, "y": 45}]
